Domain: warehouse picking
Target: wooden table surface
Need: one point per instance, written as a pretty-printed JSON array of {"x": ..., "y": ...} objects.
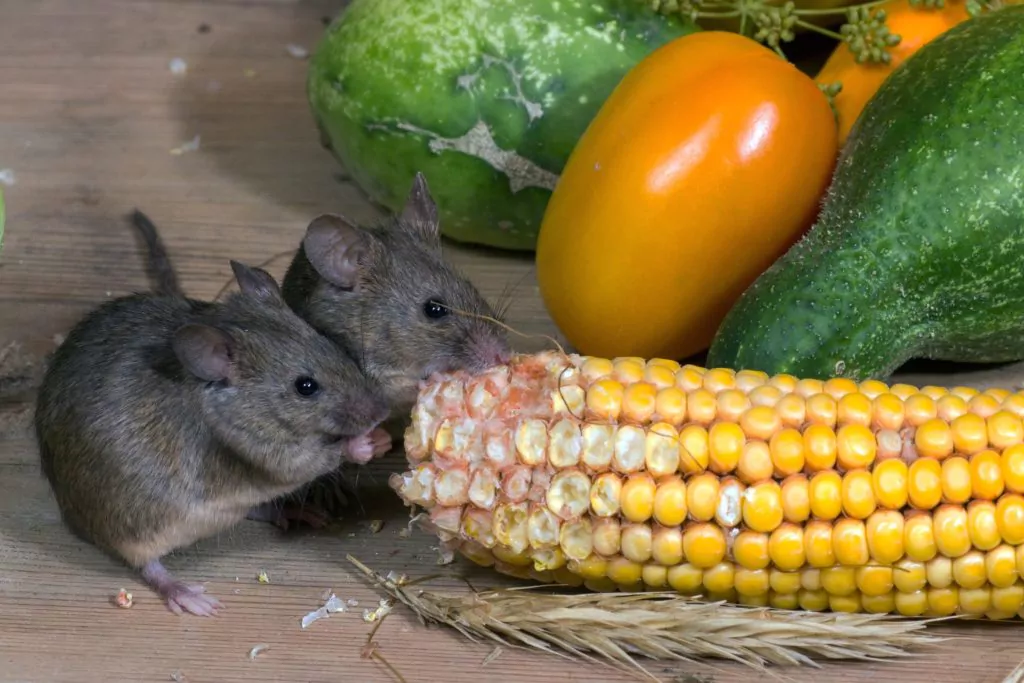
[{"x": 89, "y": 114}]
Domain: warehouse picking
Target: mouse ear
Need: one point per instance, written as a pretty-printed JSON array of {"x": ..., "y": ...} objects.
[
  {"x": 420, "y": 211},
  {"x": 205, "y": 351},
  {"x": 335, "y": 248},
  {"x": 256, "y": 282}
]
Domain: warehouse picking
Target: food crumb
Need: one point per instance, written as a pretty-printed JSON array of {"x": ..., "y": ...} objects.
[
  {"x": 404, "y": 532},
  {"x": 297, "y": 51},
  {"x": 262, "y": 576},
  {"x": 352, "y": 603},
  {"x": 178, "y": 677},
  {"x": 332, "y": 606},
  {"x": 257, "y": 650},
  {"x": 177, "y": 66},
  {"x": 495, "y": 653},
  {"x": 249, "y": 73},
  {"x": 382, "y": 610},
  {"x": 190, "y": 146},
  {"x": 7, "y": 176},
  {"x": 123, "y": 599},
  {"x": 204, "y": 28},
  {"x": 376, "y": 525}
]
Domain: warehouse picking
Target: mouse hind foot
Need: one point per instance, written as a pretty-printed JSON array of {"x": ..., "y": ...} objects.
[
  {"x": 180, "y": 597},
  {"x": 283, "y": 513}
]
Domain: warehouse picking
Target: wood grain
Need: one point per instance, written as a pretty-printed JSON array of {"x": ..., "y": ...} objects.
[{"x": 89, "y": 112}]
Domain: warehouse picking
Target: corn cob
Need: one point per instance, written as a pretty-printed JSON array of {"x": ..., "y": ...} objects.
[{"x": 633, "y": 474}]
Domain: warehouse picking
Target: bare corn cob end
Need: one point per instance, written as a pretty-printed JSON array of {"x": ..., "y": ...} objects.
[{"x": 633, "y": 474}]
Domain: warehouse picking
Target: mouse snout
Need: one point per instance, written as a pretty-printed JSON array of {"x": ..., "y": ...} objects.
[
  {"x": 491, "y": 350},
  {"x": 362, "y": 413}
]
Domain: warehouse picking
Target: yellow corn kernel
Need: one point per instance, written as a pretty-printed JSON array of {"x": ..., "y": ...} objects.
[
  {"x": 796, "y": 499},
  {"x": 750, "y": 550},
  {"x": 918, "y": 409},
  {"x": 855, "y": 447},
  {"x": 825, "y": 491},
  {"x": 784, "y": 382},
  {"x": 819, "y": 448},
  {"x": 1004, "y": 429},
  {"x": 783, "y": 600},
  {"x": 670, "y": 405},
  {"x": 720, "y": 578},
  {"x": 1014, "y": 403},
  {"x": 719, "y": 379},
  {"x": 904, "y": 391},
  {"x": 890, "y": 481},
  {"x": 607, "y": 536},
  {"x": 939, "y": 571},
  {"x": 813, "y": 600},
  {"x": 850, "y": 543},
  {"x": 760, "y": 422},
  {"x": 792, "y": 408},
  {"x": 702, "y": 406},
  {"x": 594, "y": 369},
  {"x": 624, "y": 572},
  {"x": 670, "y": 501},
  {"x": 887, "y": 411},
  {"x": 690, "y": 378},
  {"x": 975, "y": 601},
  {"x": 810, "y": 579},
  {"x": 591, "y": 568},
  {"x": 637, "y": 542},
  {"x": 846, "y": 603},
  {"x": 950, "y": 407},
  {"x": 934, "y": 392},
  {"x": 752, "y": 581},
  {"x": 655, "y": 576},
  {"x": 878, "y": 604},
  {"x": 874, "y": 579},
  {"x": 1012, "y": 466},
  {"x": 934, "y": 439},
  {"x": 986, "y": 475},
  {"x": 919, "y": 537},
  {"x": 604, "y": 399},
  {"x": 667, "y": 546},
  {"x": 982, "y": 525},
  {"x": 786, "y": 547},
  {"x": 693, "y": 449},
  {"x": 755, "y": 463},
  {"x": 628, "y": 369},
  {"x": 787, "y": 451},
  {"x": 1001, "y": 566},
  {"x": 784, "y": 582},
  {"x": 885, "y": 534},
  {"x": 858, "y": 494},
  {"x": 1010, "y": 518},
  {"x": 818, "y": 544},
  {"x": 970, "y": 433},
  {"x": 951, "y": 535},
  {"x": 732, "y": 403},
  {"x": 822, "y": 410},
  {"x": 660, "y": 375},
  {"x": 873, "y": 388},
  {"x": 704, "y": 544},
  {"x": 912, "y": 604},
  {"x": 969, "y": 570},
  {"x": 762, "y": 506},
  {"x": 765, "y": 395},
  {"x": 638, "y": 402},
  {"x": 638, "y": 493},
  {"x": 909, "y": 576},
  {"x": 956, "y": 480},
  {"x": 924, "y": 483},
  {"x": 854, "y": 409},
  {"x": 809, "y": 387},
  {"x": 725, "y": 444},
  {"x": 1008, "y": 598},
  {"x": 702, "y": 496},
  {"x": 983, "y": 405}
]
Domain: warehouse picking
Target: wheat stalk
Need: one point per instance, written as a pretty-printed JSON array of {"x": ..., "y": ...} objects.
[{"x": 615, "y": 628}]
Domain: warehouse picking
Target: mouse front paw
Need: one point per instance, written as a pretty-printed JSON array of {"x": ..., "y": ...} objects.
[
  {"x": 362, "y": 449},
  {"x": 381, "y": 441}
]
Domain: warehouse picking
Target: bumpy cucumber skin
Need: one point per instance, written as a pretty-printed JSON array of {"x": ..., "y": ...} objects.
[
  {"x": 918, "y": 250},
  {"x": 391, "y": 76}
]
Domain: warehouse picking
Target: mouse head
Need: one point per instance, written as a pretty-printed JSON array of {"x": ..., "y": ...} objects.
[
  {"x": 271, "y": 378},
  {"x": 386, "y": 293}
]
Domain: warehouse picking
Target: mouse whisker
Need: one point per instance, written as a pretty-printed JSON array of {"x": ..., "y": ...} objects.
[{"x": 509, "y": 328}]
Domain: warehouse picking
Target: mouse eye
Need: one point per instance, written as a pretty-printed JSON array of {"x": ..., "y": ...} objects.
[
  {"x": 435, "y": 309},
  {"x": 306, "y": 386}
]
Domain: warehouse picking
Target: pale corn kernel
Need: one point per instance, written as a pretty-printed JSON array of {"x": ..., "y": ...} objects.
[
  {"x": 590, "y": 568},
  {"x": 565, "y": 443},
  {"x": 760, "y": 422},
  {"x": 624, "y": 572},
  {"x": 808, "y": 387},
  {"x": 998, "y": 393},
  {"x": 670, "y": 406},
  {"x": 667, "y": 546},
  {"x": 655, "y": 576},
  {"x": 904, "y": 391},
  {"x": 750, "y": 550},
  {"x": 1004, "y": 429},
  {"x": 983, "y": 405},
  {"x": 732, "y": 403},
  {"x": 661, "y": 450},
  {"x": 548, "y": 559},
  {"x": 702, "y": 497},
  {"x": 693, "y": 449},
  {"x": 1008, "y": 598},
  {"x": 796, "y": 499},
  {"x": 784, "y": 382},
  {"x": 924, "y": 483},
  {"x": 605, "y": 494},
  {"x": 982, "y": 524},
  {"x": 569, "y": 400},
  {"x": 934, "y": 438},
  {"x": 825, "y": 491},
  {"x": 878, "y": 604},
  {"x": 594, "y": 369},
  {"x": 720, "y": 578},
  {"x": 819, "y": 448},
  {"x": 969, "y": 570},
  {"x": 762, "y": 506},
  {"x": 451, "y": 487},
  {"x": 890, "y": 444},
  {"x": 629, "y": 446},
  {"x": 670, "y": 501},
  {"x": 511, "y": 529},
  {"x": 1010, "y": 518},
  {"x": 950, "y": 407},
  {"x": 516, "y": 482},
  {"x": 607, "y": 536},
  {"x": 919, "y": 537},
  {"x": 604, "y": 399},
  {"x": 783, "y": 600},
  {"x": 890, "y": 481},
  {"x": 499, "y": 447},
  {"x": 686, "y": 579},
  {"x": 810, "y": 579},
  {"x": 909, "y": 576},
  {"x": 874, "y": 579},
  {"x": 532, "y": 442},
  {"x": 751, "y": 582},
  {"x": 719, "y": 379},
  {"x": 1014, "y": 403},
  {"x": 747, "y": 380},
  {"x": 951, "y": 535},
  {"x": 576, "y": 539},
  {"x": 477, "y": 525},
  {"x": 690, "y": 378},
  {"x": 784, "y": 582},
  {"x": 975, "y": 601},
  {"x": 792, "y": 408},
  {"x": 858, "y": 494},
  {"x": 854, "y": 408},
  {"x": 786, "y": 547},
  {"x": 543, "y": 528},
  {"x": 822, "y": 409},
  {"x": 637, "y": 542},
  {"x": 855, "y": 447},
  {"x": 659, "y": 376},
  {"x": 956, "y": 480},
  {"x": 966, "y": 393},
  {"x": 765, "y": 395},
  {"x": 755, "y": 463},
  {"x": 887, "y": 411},
  {"x": 787, "y": 452},
  {"x": 885, "y": 534},
  {"x": 598, "y": 447},
  {"x": 813, "y": 600},
  {"x": 912, "y": 604},
  {"x": 919, "y": 409},
  {"x": 483, "y": 487},
  {"x": 628, "y": 369},
  {"x": 986, "y": 475},
  {"x": 872, "y": 388},
  {"x": 728, "y": 512},
  {"x": 1012, "y": 466},
  {"x": 850, "y": 543},
  {"x": 476, "y": 554},
  {"x": 638, "y": 402},
  {"x": 637, "y": 497},
  {"x": 725, "y": 443},
  {"x": 667, "y": 363},
  {"x": 839, "y": 580},
  {"x": 417, "y": 485},
  {"x": 568, "y": 495},
  {"x": 704, "y": 544}
]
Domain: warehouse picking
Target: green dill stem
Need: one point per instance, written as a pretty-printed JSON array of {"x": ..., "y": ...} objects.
[
  {"x": 818, "y": 29},
  {"x": 720, "y": 15},
  {"x": 837, "y": 10}
]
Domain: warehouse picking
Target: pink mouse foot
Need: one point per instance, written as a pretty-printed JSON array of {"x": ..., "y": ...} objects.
[
  {"x": 283, "y": 514},
  {"x": 359, "y": 449},
  {"x": 381, "y": 441},
  {"x": 180, "y": 597}
]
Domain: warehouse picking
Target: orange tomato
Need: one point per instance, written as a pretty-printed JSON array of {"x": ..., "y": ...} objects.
[
  {"x": 916, "y": 26},
  {"x": 702, "y": 167}
]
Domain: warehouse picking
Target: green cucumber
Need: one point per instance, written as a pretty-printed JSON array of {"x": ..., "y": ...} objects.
[
  {"x": 918, "y": 252},
  {"x": 486, "y": 98}
]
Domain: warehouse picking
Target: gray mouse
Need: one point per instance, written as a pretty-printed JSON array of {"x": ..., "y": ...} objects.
[{"x": 163, "y": 420}]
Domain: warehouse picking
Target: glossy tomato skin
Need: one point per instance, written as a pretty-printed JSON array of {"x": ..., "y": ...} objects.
[{"x": 704, "y": 165}]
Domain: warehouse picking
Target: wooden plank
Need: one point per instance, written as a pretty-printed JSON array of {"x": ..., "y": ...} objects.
[{"x": 88, "y": 116}]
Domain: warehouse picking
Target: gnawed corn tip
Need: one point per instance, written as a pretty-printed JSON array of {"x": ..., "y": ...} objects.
[{"x": 791, "y": 492}]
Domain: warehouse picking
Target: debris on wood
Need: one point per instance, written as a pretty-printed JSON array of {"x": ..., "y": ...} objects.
[
  {"x": 495, "y": 653},
  {"x": 204, "y": 28},
  {"x": 376, "y": 525},
  {"x": 7, "y": 176},
  {"x": 178, "y": 66},
  {"x": 297, "y": 51},
  {"x": 332, "y": 606},
  {"x": 249, "y": 73},
  {"x": 257, "y": 650},
  {"x": 190, "y": 146},
  {"x": 382, "y": 610},
  {"x": 123, "y": 599},
  {"x": 262, "y": 576},
  {"x": 178, "y": 677},
  {"x": 352, "y": 603}
]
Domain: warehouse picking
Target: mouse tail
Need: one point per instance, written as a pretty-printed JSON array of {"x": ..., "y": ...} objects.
[{"x": 161, "y": 271}]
